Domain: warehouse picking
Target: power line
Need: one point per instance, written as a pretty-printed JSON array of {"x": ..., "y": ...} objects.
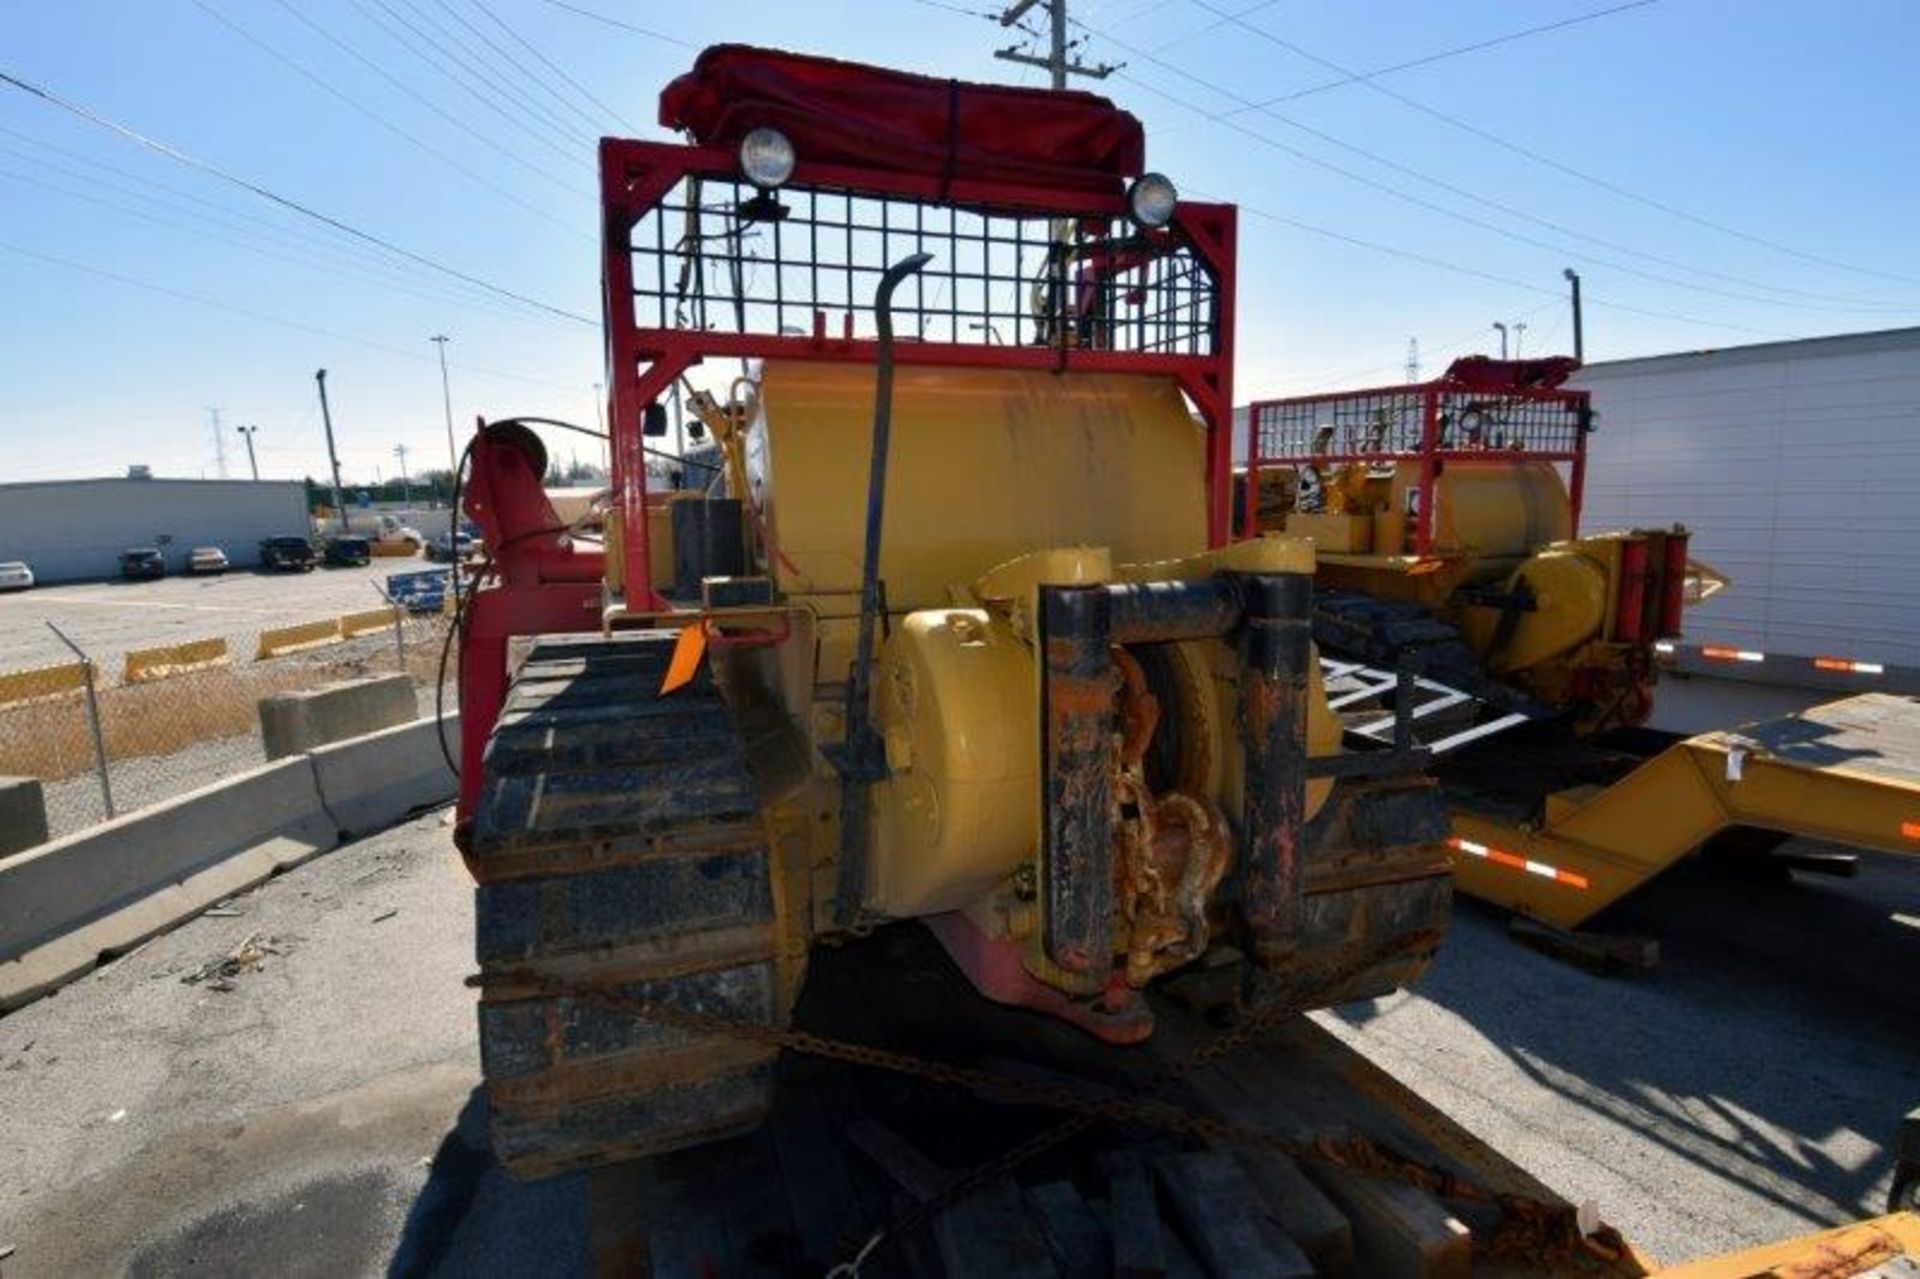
[
  {"x": 267, "y": 318},
  {"x": 332, "y": 251},
  {"x": 549, "y": 64},
  {"x": 1429, "y": 59},
  {"x": 1849, "y": 305},
  {"x": 1557, "y": 165},
  {"x": 400, "y": 84},
  {"x": 334, "y": 91},
  {"x": 507, "y": 86},
  {"x": 239, "y": 237},
  {"x": 173, "y": 153},
  {"x": 397, "y": 28},
  {"x": 526, "y": 74},
  {"x": 622, "y": 24}
]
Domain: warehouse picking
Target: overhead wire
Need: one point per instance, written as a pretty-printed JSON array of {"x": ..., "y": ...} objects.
[
  {"x": 408, "y": 36},
  {"x": 402, "y": 86},
  {"x": 1548, "y": 161},
  {"x": 360, "y": 108},
  {"x": 621, "y": 23},
  {"x": 227, "y": 234},
  {"x": 1431, "y": 58},
  {"x": 346, "y": 228},
  {"x": 279, "y": 320},
  {"x": 557, "y": 70},
  {"x": 526, "y": 75},
  {"x": 508, "y": 85},
  {"x": 1817, "y": 301}
]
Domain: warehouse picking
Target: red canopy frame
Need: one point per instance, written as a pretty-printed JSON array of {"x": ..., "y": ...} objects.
[{"x": 1163, "y": 305}]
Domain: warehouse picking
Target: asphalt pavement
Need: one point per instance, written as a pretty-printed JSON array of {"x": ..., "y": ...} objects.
[{"x": 313, "y": 1111}]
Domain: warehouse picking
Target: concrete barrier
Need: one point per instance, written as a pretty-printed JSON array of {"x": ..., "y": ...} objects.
[
  {"x": 370, "y": 622},
  {"x": 41, "y": 681},
  {"x": 295, "y": 722},
  {"x": 23, "y": 814},
  {"x": 283, "y": 640},
  {"x": 372, "y": 782},
  {"x": 144, "y": 664},
  {"x": 68, "y": 903}
]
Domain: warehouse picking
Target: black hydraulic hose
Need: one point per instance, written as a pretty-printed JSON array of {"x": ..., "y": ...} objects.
[{"x": 861, "y": 761}]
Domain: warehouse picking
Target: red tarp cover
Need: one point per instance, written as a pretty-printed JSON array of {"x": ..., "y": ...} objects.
[
  {"x": 847, "y": 113},
  {"x": 1487, "y": 375}
]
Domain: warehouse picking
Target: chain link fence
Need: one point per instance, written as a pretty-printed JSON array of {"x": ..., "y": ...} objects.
[{"x": 119, "y": 732}]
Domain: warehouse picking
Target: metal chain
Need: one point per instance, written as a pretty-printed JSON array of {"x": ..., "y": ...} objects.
[{"x": 1530, "y": 1230}]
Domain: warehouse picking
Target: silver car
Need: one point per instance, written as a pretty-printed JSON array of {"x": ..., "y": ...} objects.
[{"x": 15, "y": 575}]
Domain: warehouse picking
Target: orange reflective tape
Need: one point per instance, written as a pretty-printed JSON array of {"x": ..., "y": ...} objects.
[
  {"x": 1513, "y": 861},
  {"x": 688, "y": 650}
]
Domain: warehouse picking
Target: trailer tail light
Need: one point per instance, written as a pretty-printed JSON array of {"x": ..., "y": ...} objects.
[
  {"x": 1673, "y": 584},
  {"x": 1847, "y": 666},
  {"x": 1910, "y": 830},
  {"x": 1630, "y": 611},
  {"x": 1527, "y": 865}
]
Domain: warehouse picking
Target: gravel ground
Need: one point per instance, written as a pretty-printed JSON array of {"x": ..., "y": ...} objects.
[{"x": 320, "y": 1117}]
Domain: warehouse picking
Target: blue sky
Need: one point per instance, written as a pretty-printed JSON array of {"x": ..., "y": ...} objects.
[{"x": 1718, "y": 172}]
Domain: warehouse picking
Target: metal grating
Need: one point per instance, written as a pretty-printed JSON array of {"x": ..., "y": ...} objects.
[
  {"x": 1390, "y": 423},
  {"x": 702, "y": 262}
]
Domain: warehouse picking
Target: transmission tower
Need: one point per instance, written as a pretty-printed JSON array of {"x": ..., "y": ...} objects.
[{"x": 1413, "y": 360}]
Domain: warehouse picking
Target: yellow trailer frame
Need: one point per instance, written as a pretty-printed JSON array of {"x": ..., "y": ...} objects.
[{"x": 1847, "y": 772}]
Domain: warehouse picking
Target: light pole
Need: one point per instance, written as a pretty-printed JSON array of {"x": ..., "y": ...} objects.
[
  {"x": 446, "y": 401},
  {"x": 1579, "y": 337},
  {"x": 333, "y": 458},
  {"x": 1519, "y": 334},
  {"x": 253, "y": 463},
  {"x": 1503, "y": 338}
]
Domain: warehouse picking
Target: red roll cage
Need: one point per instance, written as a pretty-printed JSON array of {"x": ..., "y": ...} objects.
[{"x": 699, "y": 265}]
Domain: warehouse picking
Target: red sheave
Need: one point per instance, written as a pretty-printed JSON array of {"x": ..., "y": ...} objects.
[{"x": 848, "y": 113}]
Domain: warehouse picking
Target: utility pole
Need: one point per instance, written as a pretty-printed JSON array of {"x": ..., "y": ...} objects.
[
  {"x": 446, "y": 400},
  {"x": 1579, "y": 337},
  {"x": 333, "y": 457},
  {"x": 1057, "y": 63},
  {"x": 253, "y": 463},
  {"x": 406, "y": 485},
  {"x": 219, "y": 443},
  {"x": 1503, "y": 338},
  {"x": 1413, "y": 360}
]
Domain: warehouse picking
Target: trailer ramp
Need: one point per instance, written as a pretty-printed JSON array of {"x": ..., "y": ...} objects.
[{"x": 1847, "y": 772}]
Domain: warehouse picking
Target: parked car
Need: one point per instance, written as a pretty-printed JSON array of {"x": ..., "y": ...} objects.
[
  {"x": 349, "y": 552},
  {"x": 287, "y": 555},
  {"x": 441, "y": 550},
  {"x": 140, "y": 563},
  {"x": 207, "y": 559},
  {"x": 15, "y": 575}
]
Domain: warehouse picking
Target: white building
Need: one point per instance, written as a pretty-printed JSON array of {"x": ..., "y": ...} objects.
[
  {"x": 70, "y": 530},
  {"x": 1796, "y": 465}
]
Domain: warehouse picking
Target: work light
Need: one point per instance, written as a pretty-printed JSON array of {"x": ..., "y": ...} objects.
[
  {"x": 1151, "y": 199},
  {"x": 766, "y": 157}
]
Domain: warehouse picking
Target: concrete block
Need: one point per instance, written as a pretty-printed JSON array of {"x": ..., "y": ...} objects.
[
  {"x": 295, "y": 722},
  {"x": 369, "y": 783},
  {"x": 129, "y": 878},
  {"x": 23, "y": 814}
]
